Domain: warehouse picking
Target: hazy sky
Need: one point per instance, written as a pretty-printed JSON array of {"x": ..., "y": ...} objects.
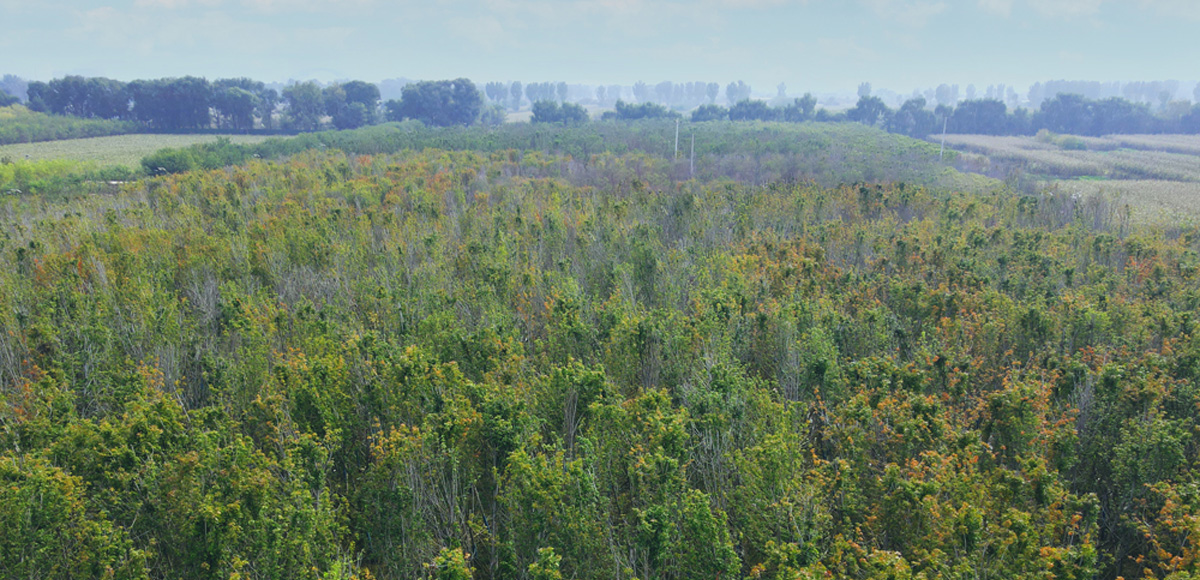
[{"x": 809, "y": 44}]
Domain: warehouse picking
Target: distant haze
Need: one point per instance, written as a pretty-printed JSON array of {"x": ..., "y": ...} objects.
[{"x": 811, "y": 45}]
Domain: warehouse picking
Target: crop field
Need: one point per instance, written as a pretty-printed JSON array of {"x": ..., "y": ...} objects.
[
  {"x": 1151, "y": 201},
  {"x": 1157, "y": 176},
  {"x": 118, "y": 150},
  {"x": 1118, "y": 157},
  {"x": 1187, "y": 144}
]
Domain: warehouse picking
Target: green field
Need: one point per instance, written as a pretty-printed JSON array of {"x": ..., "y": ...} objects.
[{"x": 123, "y": 150}]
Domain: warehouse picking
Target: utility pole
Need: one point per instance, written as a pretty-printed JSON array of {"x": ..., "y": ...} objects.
[
  {"x": 693, "y": 162},
  {"x": 677, "y": 138}
]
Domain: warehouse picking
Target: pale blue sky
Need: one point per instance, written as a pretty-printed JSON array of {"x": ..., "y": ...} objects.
[{"x": 819, "y": 45}]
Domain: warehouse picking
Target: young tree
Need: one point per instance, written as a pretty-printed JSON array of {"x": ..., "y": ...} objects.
[
  {"x": 947, "y": 94},
  {"x": 801, "y": 109},
  {"x": 641, "y": 92},
  {"x": 628, "y": 112},
  {"x": 737, "y": 92},
  {"x": 363, "y": 93},
  {"x": 1066, "y": 113},
  {"x": 305, "y": 105},
  {"x": 348, "y": 113},
  {"x": 442, "y": 103},
  {"x": 268, "y": 100},
  {"x": 710, "y": 113},
  {"x": 664, "y": 91},
  {"x": 497, "y": 91},
  {"x": 235, "y": 108},
  {"x": 983, "y": 117},
  {"x": 913, "y": 119},
  {"x": 869, "y": 111},
  {"x": 515, "y": 92},
  {"x": 493, "y": 115},
  {"x": 552, "y": 112},
  {"x": 18, "y": 87},
  {"x": 752, "y": 110}
]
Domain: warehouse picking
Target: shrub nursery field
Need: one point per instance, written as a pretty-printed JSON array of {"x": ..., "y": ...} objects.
[{"x": 521, "y": 363}]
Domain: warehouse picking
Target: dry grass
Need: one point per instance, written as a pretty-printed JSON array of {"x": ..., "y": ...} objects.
[{"x": 124, "y": 150}]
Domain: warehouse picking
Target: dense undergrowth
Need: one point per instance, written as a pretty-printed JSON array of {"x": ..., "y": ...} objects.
[{"x": 433, "y": 364}]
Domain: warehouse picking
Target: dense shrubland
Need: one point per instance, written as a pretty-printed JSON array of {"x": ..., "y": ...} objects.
[
  {"x": 524, "y": 365},
  {"x": 20, "y": 125},
  {"x": 746, "y": 152}
]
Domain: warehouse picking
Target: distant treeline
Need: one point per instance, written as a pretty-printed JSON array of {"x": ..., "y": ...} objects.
[
  {"x": 1065, "y": 113},
  {"x": 244, "y": 105}
]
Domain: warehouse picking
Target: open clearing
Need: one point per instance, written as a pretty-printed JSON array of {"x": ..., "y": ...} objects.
[{"x": 124, "y": 150}]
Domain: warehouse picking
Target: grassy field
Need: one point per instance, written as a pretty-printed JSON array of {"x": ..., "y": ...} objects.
[{"x": 120, "y": 150}]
